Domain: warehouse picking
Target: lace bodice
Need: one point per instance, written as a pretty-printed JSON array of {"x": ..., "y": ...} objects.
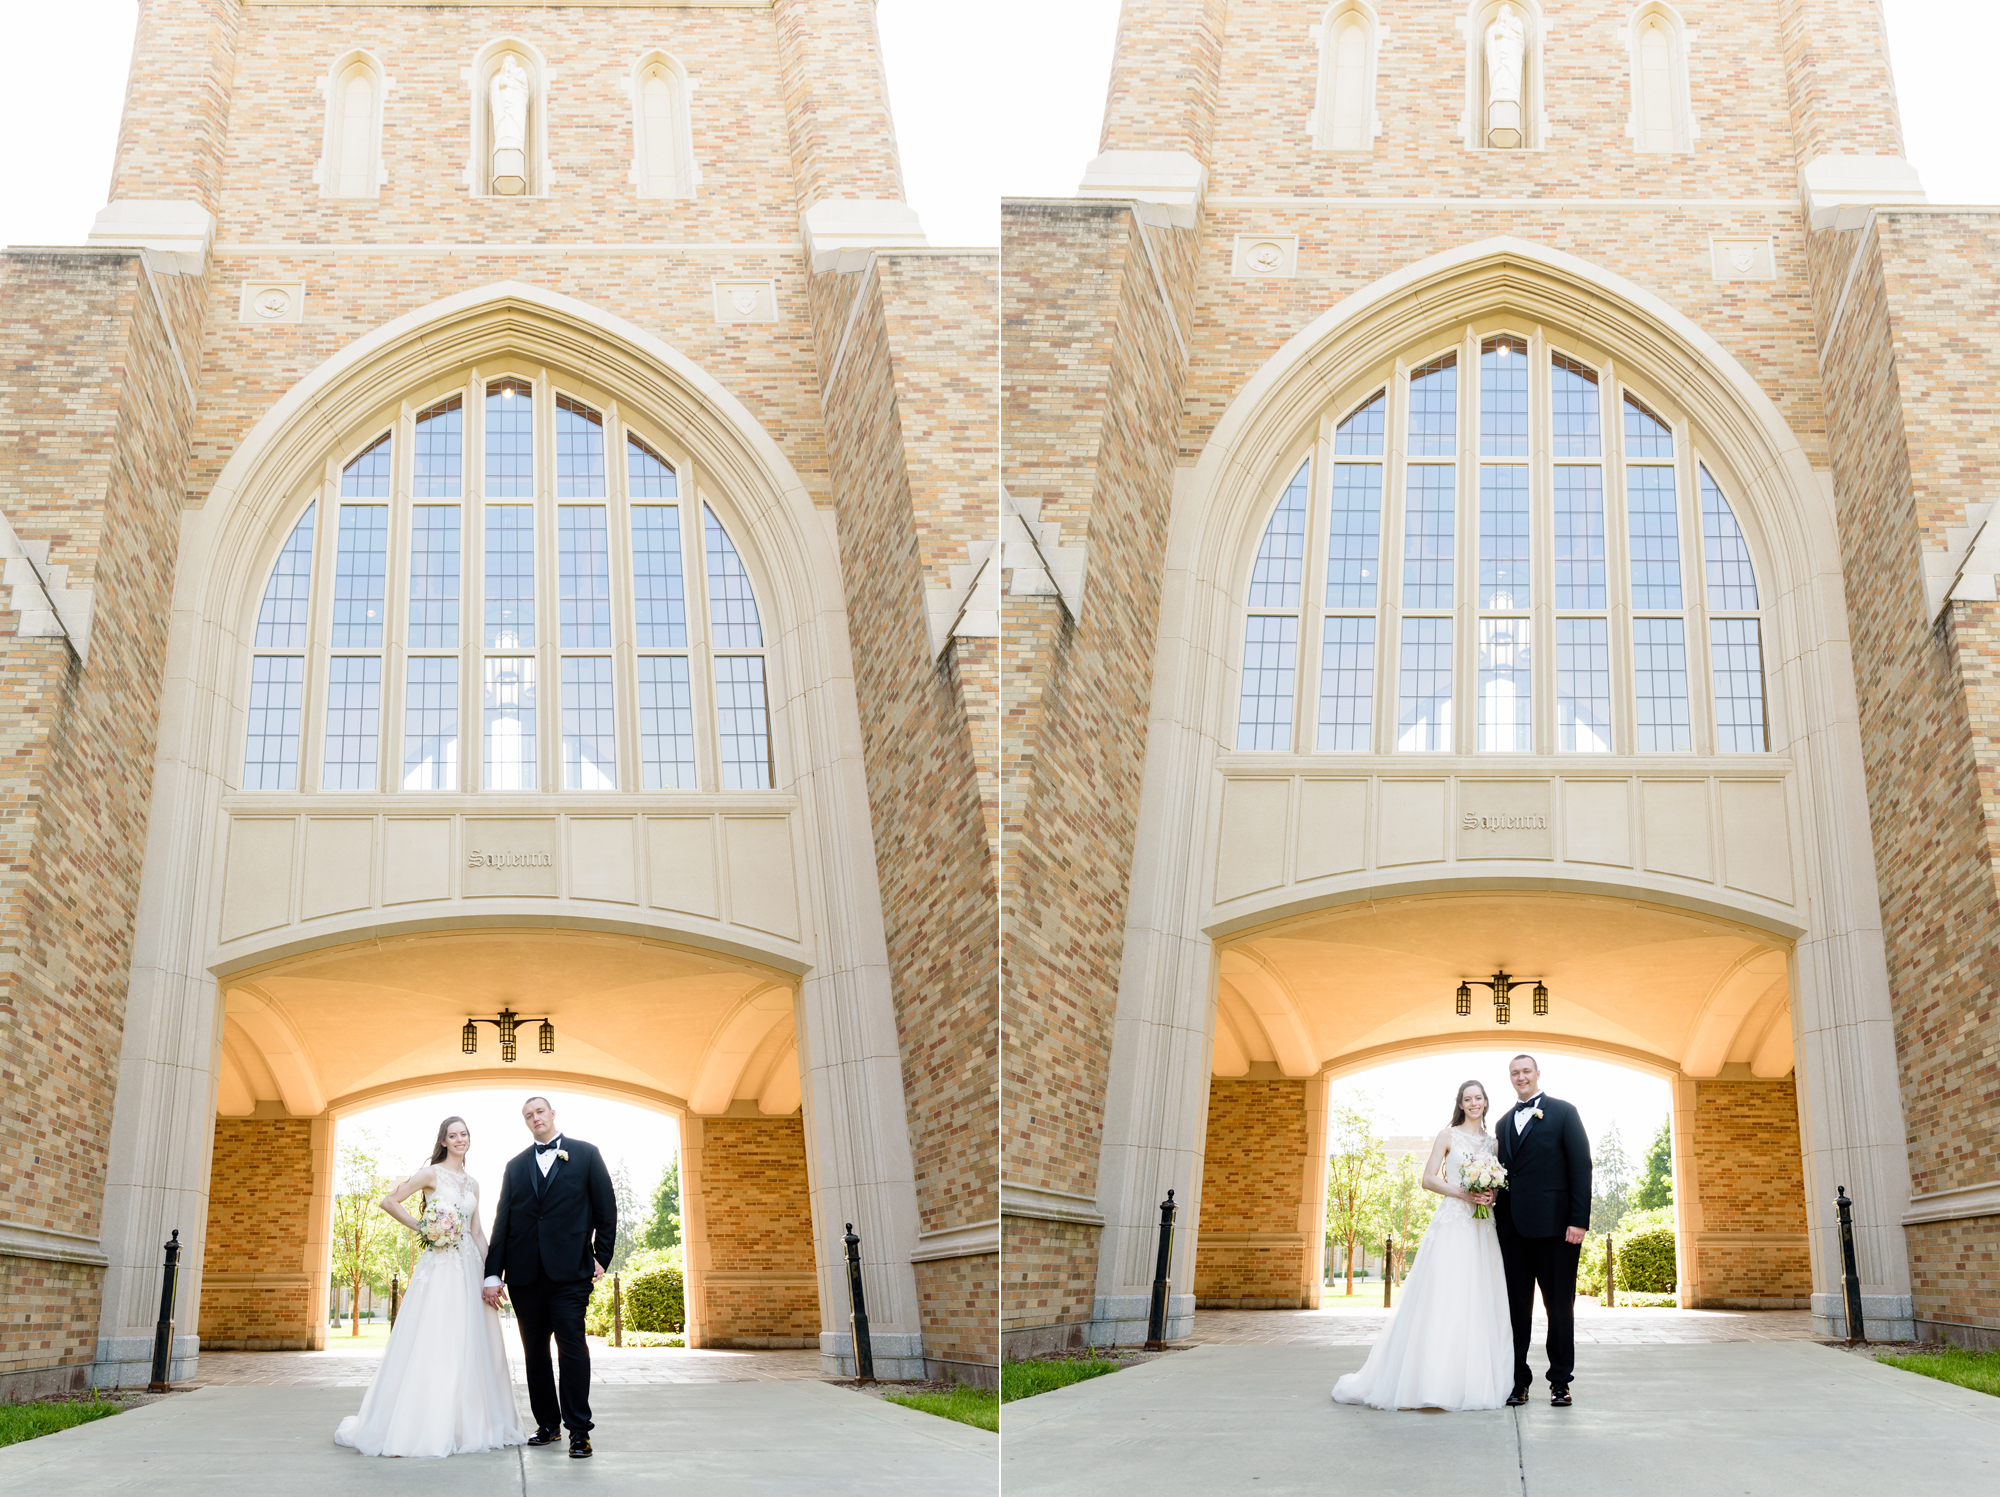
[
  {"x": 1466, "y": 1145},
  {"x": 460, "y": 1191}
]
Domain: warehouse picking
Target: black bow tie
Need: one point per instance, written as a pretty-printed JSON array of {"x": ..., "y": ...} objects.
[
  {"x": 544, "y": 1148},
  {"x": 1522, "y": 1106}
]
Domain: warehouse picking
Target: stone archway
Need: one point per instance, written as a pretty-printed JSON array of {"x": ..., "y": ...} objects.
[
  {"x": 314, "y": 1036},
  {"x": 1699, "y": 1000}
]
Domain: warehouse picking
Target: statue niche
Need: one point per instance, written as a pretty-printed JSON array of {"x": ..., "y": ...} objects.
[
  {"x": 508, "y": 97},
  {"x": 1506, "y": 50}
]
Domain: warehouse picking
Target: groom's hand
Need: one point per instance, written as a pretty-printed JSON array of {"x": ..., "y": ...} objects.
[
  {"x": 596, "y": 1270},
  {"x": 491, "y": 1294},
  {"x": 1574, "y": 1237}
]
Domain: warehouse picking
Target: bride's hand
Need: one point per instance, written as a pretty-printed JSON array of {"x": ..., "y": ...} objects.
[{"x": 1485, "y": 1198}]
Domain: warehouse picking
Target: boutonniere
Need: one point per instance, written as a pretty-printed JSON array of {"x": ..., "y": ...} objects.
[
  {"x": 1537, "y": 1113},
  {"x": 563, "y": 1154}
]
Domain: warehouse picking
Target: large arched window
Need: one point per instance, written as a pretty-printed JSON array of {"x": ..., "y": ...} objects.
[
  {"x": 508, "y": 590},
  {"x": 1494, "y": 553}
]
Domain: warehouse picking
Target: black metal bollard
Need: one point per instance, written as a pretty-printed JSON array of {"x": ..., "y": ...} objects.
[
  {"x": 1610, "y": 1275},
  {"x": 1388, "y": 1269},
  {"x": 395, "y": 1297},
  {"x": 1156, "y": 1320},
  {"x": 857, "y": 1311},
  {"x": 163, "y": 1333},
  {"x": 617, "y": 1312},
  {"x": 1857, "y": 1328}
]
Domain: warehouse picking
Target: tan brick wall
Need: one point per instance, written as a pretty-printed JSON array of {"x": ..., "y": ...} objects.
[
  {"x": 1250, "y": 1255},
  {"x": 760, "y": 1289},
  {"x": 1750, "y": 1183},
  {"x": 1050, "y": 1270},
  {"x": 51, "y": 1326},
  {"x": 960, "y": 1298},
  {"x": 260, "y": 1182},
  {"x": 1955, "y": 1272}
]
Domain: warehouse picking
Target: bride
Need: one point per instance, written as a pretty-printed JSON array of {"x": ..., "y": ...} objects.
[
  {"x": 1448, "y": 1345},
  {"x": 443, "y": 1387}
]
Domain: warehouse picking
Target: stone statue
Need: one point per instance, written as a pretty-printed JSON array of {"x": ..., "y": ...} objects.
[
  {"x": 1506, "y": 44},
  {"x": 508, "y": 98}
]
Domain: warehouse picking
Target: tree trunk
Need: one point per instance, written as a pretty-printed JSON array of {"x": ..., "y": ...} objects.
[{"x": 357, "y": 1283}]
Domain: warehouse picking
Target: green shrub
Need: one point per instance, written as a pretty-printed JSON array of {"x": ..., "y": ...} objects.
[
  {"x": 1590, "y": 1267},
  {"x": 1646, "y": 1261},
  {"x": 655, "y": 1298}
]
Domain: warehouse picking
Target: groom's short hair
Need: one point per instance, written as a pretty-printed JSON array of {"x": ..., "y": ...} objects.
[
  {"x": 1524, "y": 1055},
  {"x": 543, "y": 1100}
]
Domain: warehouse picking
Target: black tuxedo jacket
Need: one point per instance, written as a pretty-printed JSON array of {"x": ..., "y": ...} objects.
[
  {"x": 551, "y": 1228},
  {"x": 1548, "y": 1172}
]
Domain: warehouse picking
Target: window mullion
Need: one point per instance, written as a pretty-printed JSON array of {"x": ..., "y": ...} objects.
[{"x": 1312, "y": 584}]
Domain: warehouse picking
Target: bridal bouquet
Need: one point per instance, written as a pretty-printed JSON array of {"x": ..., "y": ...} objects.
[
  {"x": 1481, "y": 1176},
  {"x": 442, "y": 1226}
]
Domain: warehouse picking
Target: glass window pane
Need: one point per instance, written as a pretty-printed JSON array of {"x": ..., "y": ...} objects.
[
  {"x": 648, "y": 472},
  {"x": 1274, "y": 580},
  {"x": 430, "y": 725},
  {"x": 510, "y": 440},
  {"x": 1503, "y": 398},
  {"x": 281, "y": 620},
  {"x": 1505, "y": 700},
  {"x": 1347, "y": 686},
  {"x": 440, "y": 450},
  {"x": 579, "y": 451},
  {"x": 360, "y": 575},
  {"x": 434, "y": 577},
  {"x": 1573, "y": 391},
  {"x": 1583, "y": 686},
  {"x": 509, "y": 704},
  {"x": 1732, "y": 582},
  {"x": 1646, "y": 435},
  {"x": 743, "y": 722},
  {"x": 510, "y": 577},
  {"x": 1427, "y": 535},
  {"x": 1656, "y": 537},
  {"x": 1423, "y": 718},
  {"x": 1659, "y": 674},
  {"x": 589, "y": 725},
  {"x": 666, "y": 723},
  {"x": 367, "y": 477},
  {"x": 659, "y": 592},
  {"x": 1503, "y": 536},
  {"x": 1434, "y": 408},
  {"x": 1354, "y": 536},
  {"x": 1270, "y": 665},
  {"x": 732, "y": 607},
  {"x": 353, "y": 721},
  {"x": 271, "y": 748},
  {"x": 1360, "y": 435},
  {"x": 1738, "y": 647},
  {"x": 1579, "y": 527},
  {"x": 584, "y": 571}
]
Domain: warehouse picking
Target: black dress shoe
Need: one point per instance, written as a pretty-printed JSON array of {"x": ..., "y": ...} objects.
[
  {"x": 545, "y": 1437},
  {"x": 579, "y": 1446},
  {"x": 1518, "y": 1397},
  {"x": 1559, "y": 1397}
]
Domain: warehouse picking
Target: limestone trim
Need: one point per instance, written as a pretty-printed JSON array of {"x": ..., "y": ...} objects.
[
  {"x": 477, "y": 76},
  {"x": 1961, "y": 1203},
  {"x": 857, "y": 1145},
  {"x": 1533, "y": 115},
  {"x": 346, "y": 137},
  {"x": 18, "y": 1240},
  {"x": 1038, "y": 1204},
  {"x": 1849, "y": 1100},
  {"x": 677, "y": 176},
  {"x": 1661, "y": 97},
  {"x": 1488, "y": 204},
  {"x": 1350, "y": 35},
  {"x": 973, "y": 1240}
]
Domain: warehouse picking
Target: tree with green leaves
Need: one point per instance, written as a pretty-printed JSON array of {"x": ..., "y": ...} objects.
[
  {"x": 364, "y": 1246},
  {"x": 627, "y": 1241},
  {"x": 1656, "y": 1176},
  {"x": 1355, "y": 1164},
  {"x": 1610, "y": 1181},
  {"x": 1403, "y": 1211},
  {"x": 663, "y": 1226}
]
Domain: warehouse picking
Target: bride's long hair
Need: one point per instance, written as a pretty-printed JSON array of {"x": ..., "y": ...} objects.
[
  {"x": 438, "y": 1153},
  {"x": 1457, "y": 1105}
]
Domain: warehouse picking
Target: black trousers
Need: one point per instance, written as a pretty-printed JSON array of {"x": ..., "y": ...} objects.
[
  {"x": 1550, "y": 1263},
  {"x": 544, "y": 1311}
]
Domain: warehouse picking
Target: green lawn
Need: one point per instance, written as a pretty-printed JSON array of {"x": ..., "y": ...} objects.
[
  {"x": 1026, "y": 1379},
  {"x": 1978, "y": 1370},
  {"x": 24, "y": 1421},
  {"x": 372, "y": 1333},
  {"x": 978, "y": 1407}
]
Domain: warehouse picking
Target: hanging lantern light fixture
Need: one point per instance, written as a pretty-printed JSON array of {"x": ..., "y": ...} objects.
[
  {"x": 1502, "y": 985},
  {"x": 508, "y": 1023}
]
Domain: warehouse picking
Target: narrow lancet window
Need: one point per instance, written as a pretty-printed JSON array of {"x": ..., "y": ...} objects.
[{"x": 1345, "y": 117}]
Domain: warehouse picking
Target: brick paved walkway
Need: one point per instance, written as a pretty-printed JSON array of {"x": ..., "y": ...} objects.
[
  {"x": 1595, "y": 1326},
  {"x": 608, "y": 1366}
]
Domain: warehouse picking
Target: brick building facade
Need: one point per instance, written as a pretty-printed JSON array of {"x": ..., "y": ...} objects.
[{"x": 314, "y": 238}]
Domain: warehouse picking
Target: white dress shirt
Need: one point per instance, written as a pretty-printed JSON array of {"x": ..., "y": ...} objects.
[{"x": 1521, "y": 1117}]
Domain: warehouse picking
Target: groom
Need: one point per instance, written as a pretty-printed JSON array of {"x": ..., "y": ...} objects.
[
  {"x": 554, "y": 1200},
  {"x": 1541, "y": 1217}
]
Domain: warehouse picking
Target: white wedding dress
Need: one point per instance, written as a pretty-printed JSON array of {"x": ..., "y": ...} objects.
[
  {"x": 1448, "y": 1343},
  {"x": 443, "y": 1387}
]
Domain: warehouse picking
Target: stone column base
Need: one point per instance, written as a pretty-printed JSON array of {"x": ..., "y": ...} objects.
[
  {"x": 1884, "y": 1317},
  {"x": 899, "y": 1355},
  {"x": 43, "y": 1382},
  {"x": 1120, "y": 1319},
  {"x": 127, "y": 1361}
]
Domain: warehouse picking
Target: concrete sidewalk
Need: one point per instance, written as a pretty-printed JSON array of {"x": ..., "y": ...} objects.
[
  {"x": 1766, "y": 1419},
  {"x": 700, "y": 1440}
]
